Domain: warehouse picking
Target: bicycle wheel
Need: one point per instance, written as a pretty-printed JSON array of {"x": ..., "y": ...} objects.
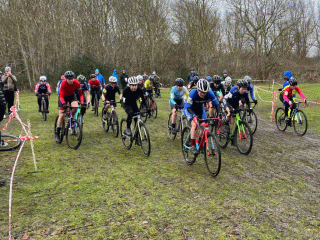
[
  {"x": 243, "y": 138},
  {"x": 74, "y": 134},
  {"x": 186, "y": 147},
  {"x": 105, "y": 120},
  {"x": 96, "y": 103},
  {"x": 144, "y": 139},
  {"x": 252, "y": 120},
  {"x": 300, "y": 122},
  {"x": 9, "y": 142},
  {"x": 154, "y": 109},
  {"x": 212, "y": 155},
  {"x": 280, "y": 120},
  {"x": 222, "y": 135},
  {"x": 62, "y": 132},
  {"x": 126, "y": 140},
  {"x": 143, "y": 113},
  {"x": 172, "y": 135},
  {"x": 44, "y": 109},
  {"x": 115, "y": 124}
]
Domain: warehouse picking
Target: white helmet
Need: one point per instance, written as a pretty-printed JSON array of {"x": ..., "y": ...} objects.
[
  {"x": 228, "y": 80},
  {"x": 203, "y": 85},
  {"x": 248, "y": 78},
  {"x": 43, "y": 78},
  {"x": 7, "y": 69},
  {"x": 133, "y": 81},
  {"x": 112, "y": 79},
  {"x": 140, "y": 78}
]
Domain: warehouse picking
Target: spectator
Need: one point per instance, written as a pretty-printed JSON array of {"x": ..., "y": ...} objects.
[
  {"x": 224, "y": 75},
  {"x": 2, "y": 105},
  {"x": 100, "y": 77},
  {"x": 1, "y": 81},
  {"x": 123, "y": 79},
  {"x": 8, "y": 81},
  {"x": 115, "y": 74},
  {"x": 145, "y": 76}
]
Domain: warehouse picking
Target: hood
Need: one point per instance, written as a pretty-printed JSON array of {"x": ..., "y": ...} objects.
[
  {"x": 288, "y": 74},
  {"x": 115, "y": 71}
]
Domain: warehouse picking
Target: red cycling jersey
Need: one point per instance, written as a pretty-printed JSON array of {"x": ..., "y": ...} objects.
[
  {"x": 288, "y": 93},
  {"x": 94, "y": 82},
  {"x": 67, "y": 90}
]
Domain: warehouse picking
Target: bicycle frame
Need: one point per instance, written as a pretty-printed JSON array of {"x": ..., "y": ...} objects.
[{"x": 237, "y": 122}]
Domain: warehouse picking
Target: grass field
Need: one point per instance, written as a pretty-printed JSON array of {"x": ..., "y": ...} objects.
[{"x": 103, "y": 191}]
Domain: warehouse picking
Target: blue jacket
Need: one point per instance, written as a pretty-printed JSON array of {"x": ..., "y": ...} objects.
[
  {"x": 115, "y": 75},
  {"x": 100, "y": 78}
]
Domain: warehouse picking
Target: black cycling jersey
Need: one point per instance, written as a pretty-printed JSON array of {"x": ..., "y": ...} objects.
[
  {"x": 110, "y": 92},
  {"x": 217, "y": 89},
  {"x": 132, "y": 97}
]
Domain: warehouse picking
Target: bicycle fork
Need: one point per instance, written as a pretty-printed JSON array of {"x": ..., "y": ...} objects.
[{"x": 241, "y": 128}]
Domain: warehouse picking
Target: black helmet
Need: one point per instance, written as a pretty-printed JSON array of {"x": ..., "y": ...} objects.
[
  {"x": 216, "y": 79},
  {"x": 81, "y": 79},
  {"x": 225, "y": 72},
  {"x": 293, "y": 81},
  {"x": 243, "y": 83},
  {"x": 179, "y": 82},
  {"x": 69, "y": 74},
  {"x": 92, "y": 76}
]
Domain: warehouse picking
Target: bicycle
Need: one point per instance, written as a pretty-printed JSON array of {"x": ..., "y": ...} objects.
[
  {"x": 297, "y": 117},
  {"x": 96, "y": 101},
  {"x": 207, "y": 145},
  {"x": 79, "y": 116},
  {"x": 110, "y": 119},
  {"x": 152, "y": 105},
  {"x": 240, "y": 135},
  {"x": 140, "y": 134},
  {"x": 251, "y": 118},
  {"x": 181, "y": 123},
  {"x": 71, "y": 129},
  {"x": 9, "y": 142},
  {"x": 43, "y": 106}
]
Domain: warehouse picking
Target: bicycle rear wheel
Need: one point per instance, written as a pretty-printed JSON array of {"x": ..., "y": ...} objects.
[
  {"x": 280, "y": 119},
  {"x": 143, "y": 113},
  {"x": 144, "y": 139},
  {"x": 154, "y": 109},
  {"x": 9, "y": 142},
  {"x": 74, "y": 134},
  {"x": 222, "y": 135},
  {"x": 212, "y": 155},
  {"x": 44, "y": 109},
  {"x": 105, "y": 120},
  {"x": 300, "y": 122},
  {"x": 243, "y": 138},
  {"x": 126, "y": 140},
  {"x": 252, "y": 120},
  {"x": 62, "y": 132},
  {"x": 172, "y": 135},
  {"x": 186, "y": 147},
  {"x": 115, "y": 124}
]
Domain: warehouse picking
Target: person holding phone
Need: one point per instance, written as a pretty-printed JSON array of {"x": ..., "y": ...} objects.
[{"x": 8, "y": 81}]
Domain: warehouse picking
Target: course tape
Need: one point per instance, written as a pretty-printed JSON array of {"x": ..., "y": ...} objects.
[{"x": 257, "y": 92}]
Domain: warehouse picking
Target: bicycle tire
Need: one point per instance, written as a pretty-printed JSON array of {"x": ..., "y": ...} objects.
[
  {"x": 62, "y": 132},
  {"x": 299, "y": 119},
  {"x": 9, "y": 142},
  {"x": 143, "y": 114},
  {"x": 96, "y": 107},
  {"x": 126, "y": 140},
  {"x": 185, "y": 147},
  {"x": 246, "y": 135},
  {"x": 184, "y": 123},
  {"x": 252, "y": 120},
  {"x": 170, "y": 133},
  {"x": 154, "y": 109},
  {"x": 280, "y": 119},
  {"x": 44, "y": 109},
  {"x": 212, "y": 155},
  {"x": 115, "y": 124},
  {"x": 222, "y": 136},
  {"x": 74, "y": 134},
  {"x": 144, "y": 139},
  {"x": 105, "y": 120}
]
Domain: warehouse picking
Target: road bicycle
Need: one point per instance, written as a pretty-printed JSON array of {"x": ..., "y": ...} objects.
[
  {"x": 9, "y": 142},
  {"x": 151, "y": 105},
  {"x": 181, "y": 123},
  {"x": 71, "y": 128},
  {"x": 207, "y": 145},
  {"x": 296, "y": 117},
  {"x": 43, "y": 106},
  {"x": 140, "y": 134},
  {"x": 240, "y": 135},
  {"x": 110, "y": 118},
  {"x": 250, "y": 117}
]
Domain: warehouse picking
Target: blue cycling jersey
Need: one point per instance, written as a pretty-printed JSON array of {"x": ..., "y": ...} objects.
[
  {"x": 250, "y": 89},
  {"x": 175, "y": 94},
  {"x": 234, "y": 96}
]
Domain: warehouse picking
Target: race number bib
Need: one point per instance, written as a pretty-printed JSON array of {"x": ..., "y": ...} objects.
[{"x": 189, "y": 100}]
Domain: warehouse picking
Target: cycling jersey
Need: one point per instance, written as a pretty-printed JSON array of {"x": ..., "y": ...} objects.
[
  {"x": 250, "y": 90},
  {"x": 148, "y": 85},
  {"x": 94, "y": 84},
  {"x": 289, "y": 93},
  {"x": 233, "y": 97},
  {"x": 226, "y": 89},
  {"x": 84, "y": 88},
  {"x": 175, "y": 94},
  {"x": 40, "y": 88},
  {"x": 110, "y": 92},
  {"x": 68, "y": 90},
  {"x": 195, "y": 104},
  {"x": 217, "y": 90}
]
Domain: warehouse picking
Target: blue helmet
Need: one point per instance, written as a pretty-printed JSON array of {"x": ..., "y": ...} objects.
[{"x": 209, "y": 79}]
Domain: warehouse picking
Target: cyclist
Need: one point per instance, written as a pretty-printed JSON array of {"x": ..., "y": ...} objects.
[
  {"x": 67, "y": 95},
  {"x": 287, "y": 98},
  {"x": 194, "y": 107},
  {"x": 224, "y": 75},
  {"x": 217, "y": 87},
  {"x": 43, "y": 87},
  {"x": 109, "y": 93},
  {"x": 235, "y": 99},
  {"x": 140, "y": 82},
  {"x": 250, "y": 89},
  {"x": 129, "y": 99},
  {"x": 227, "y": 84},
  {"x": 94, "y": 86},
  {"x": 149, "y": 85},
  {"x": 178, "y": 96},
  {"x": 85, "y": 90},
  {"x": 59, "y": 84},
  {"x": 193, "y": 83}
]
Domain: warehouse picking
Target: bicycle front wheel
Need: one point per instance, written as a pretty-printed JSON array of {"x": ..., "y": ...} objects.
[
  {"x": 74, "y": 134},
  {"x": 281, "y": 119},
  {"x": 212, "y": 154},
  {"x": 44, "y": 109},
  {"x": 9, "y": 142},
  {"x": 96, "y": 107},
  {"x": 105, "y": 120},
  {"x": 144, "y": 139},
  {"x": 243, "y": 138},
  {"x": 252, "y": 120},
  {"x": 126, "y": 139},
  {"x": 300, "y": 122},
  {"x": 186, "y": 146},
  {"x": 154, "y": 109},
  {"x": 115, "y": 124}
]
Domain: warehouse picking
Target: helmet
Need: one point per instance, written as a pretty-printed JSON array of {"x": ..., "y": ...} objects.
[
  {"x": 293, "y": 81},
  {"x": 151, "y": 77},
  {"x": 195, "y": 79},
  {"x": 0, "y": 72},
  {"x": 81, "y": 79},
  {"x": 228, "y": 80},
  {"x": 203, "y": 85},
  {"x": 209, "y": 79},
  {"x": 243, "y": 83},
  {"x": 69, "y": 74},
  {"x": 216, "y": 79},
  {"x": 43, "y": 78},
  {"x": 225, "y": 72},
  {"x": 248, "y": 78},
  {"x": 112, "y": 79},
  {"x": 179, "y": 82},
  {"x": 92, "y": 76},
  {"x": 140, "y": 78},
  {"x": 133, "y": 81},
  {"x": 7, "y": 69}
]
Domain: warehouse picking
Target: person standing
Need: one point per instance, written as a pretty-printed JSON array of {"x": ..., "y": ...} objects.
[
  {"x": 115, "y": 74},
  {"x": 1, "y": 85},
  {"x": 123, "y": 79},
  {"x": 100, "y": 78},
  {"x": 9, "y": 81}
]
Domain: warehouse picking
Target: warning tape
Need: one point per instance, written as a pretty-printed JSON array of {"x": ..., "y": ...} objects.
[{"x": 257, "y": 92}]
